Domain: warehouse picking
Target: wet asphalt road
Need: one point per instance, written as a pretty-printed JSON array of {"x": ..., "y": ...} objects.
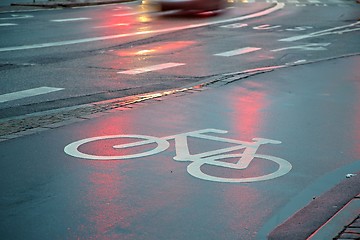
[
  {"x": 85, "y": 55},
  {"x": 298, "y": 125},
  {"x": 311, "y": 109}
]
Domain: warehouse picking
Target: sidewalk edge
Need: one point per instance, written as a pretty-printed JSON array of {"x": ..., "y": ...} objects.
[{"x": 312, "y": 217}]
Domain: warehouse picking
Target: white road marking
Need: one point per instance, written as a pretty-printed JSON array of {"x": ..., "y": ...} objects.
[
  {"x": 235, "y": 25},
  {"x": 151, "y": 68},
  {"x": 301, "y": 61},
  {"x": 27, "y": 93},
  {"x": 308, "y": 47},
  {"x": 7, "y": 24},
  {"x": 70, "y": 19},
  {"x": 238, "y": 52},
  {"x": 278, "y": 6},
  {"x": 266, "y": 27},
  {"x": 335, "y": 30},
  {"x": 15, "y": 16}
]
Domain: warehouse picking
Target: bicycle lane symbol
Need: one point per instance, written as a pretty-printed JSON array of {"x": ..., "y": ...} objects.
[{"x": 182, "y": 153}]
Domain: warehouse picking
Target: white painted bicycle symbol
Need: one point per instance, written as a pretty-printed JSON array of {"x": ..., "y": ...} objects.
[{"x": 214, "y": 158}]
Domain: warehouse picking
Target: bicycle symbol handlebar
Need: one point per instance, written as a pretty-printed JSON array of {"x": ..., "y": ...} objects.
[{"x": 197, "y": 161}]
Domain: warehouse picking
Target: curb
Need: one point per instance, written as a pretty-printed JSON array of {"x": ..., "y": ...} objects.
[{"x": 307, "y": 221}]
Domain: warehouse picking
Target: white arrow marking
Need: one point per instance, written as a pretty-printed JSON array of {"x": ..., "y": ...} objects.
[
  {"x": 335, "y": 30},
  {"x": 308, "y": 47}
]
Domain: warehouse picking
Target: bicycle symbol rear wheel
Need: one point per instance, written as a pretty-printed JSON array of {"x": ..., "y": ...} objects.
[
  {"x": 73, "y": 148},
  {"x": 194, "y": 168}
]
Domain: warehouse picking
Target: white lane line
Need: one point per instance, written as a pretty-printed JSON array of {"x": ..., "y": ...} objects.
[
  {"x": 151, "y": 68},
  {"x": 238, "y": 52},
  {"x": 335, "y": 30},
  {"x": 27, "y": 93},
  {"x": 69, "y": 19},
  {"x": 15, "y": 16},
  {"x": 7, "y": 24},
  {"x": 278, "y": 6}
]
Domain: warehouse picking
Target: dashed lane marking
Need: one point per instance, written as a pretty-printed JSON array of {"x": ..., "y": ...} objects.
[
  {"x": 151, "y": 68},
  {"x": 238, "y": 52},
  {"x": 15, "y": 16},
  {"x": 70, "y": 19},
  {"x": 7, "y": 24},
  {"x": 27, "y": 93}
]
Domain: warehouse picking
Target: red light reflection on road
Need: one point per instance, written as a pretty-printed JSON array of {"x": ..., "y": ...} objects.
[
  {"x": 248, "y": 104},
  {"x": 106, "y": 211},
  {"x": 108, "y": 215},
  {"x": 113, "y": 24}
]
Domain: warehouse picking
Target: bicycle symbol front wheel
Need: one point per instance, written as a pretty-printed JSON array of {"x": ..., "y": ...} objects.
[
  {"x": 73, "y": 148},
  {"x": 194, "y": 168}
]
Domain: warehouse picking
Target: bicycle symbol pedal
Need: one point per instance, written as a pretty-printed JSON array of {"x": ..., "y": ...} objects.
[{"x": 214, "y": 158}]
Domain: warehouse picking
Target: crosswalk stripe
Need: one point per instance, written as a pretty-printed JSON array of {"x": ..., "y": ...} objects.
[
  {"x": 238, "y": 51},
  {"x": 151, "y": 68},
  {"x": 27, "y": 93}
]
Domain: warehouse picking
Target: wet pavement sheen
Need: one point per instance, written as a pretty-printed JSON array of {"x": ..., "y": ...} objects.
[{"x": 311, "y": 111}]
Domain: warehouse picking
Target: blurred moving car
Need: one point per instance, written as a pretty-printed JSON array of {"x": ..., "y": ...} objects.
[{"x": 192, "y": 5}]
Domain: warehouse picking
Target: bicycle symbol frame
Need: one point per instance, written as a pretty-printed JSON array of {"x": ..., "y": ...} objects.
[{"x": 182, "y": 153}]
